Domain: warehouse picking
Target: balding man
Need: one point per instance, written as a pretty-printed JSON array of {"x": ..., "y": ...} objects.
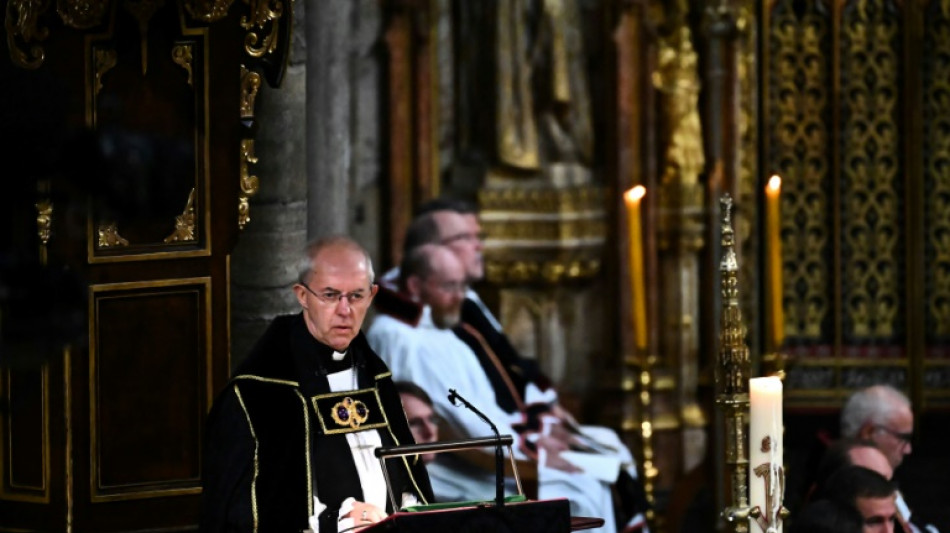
[
  {"x": 417, "y": 342},
  {"x": 290, "y": 440},
  {"x": 882, "y": 414}
]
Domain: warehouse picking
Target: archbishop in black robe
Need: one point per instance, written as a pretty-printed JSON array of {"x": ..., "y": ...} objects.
[{"x": 275, "y": 435}]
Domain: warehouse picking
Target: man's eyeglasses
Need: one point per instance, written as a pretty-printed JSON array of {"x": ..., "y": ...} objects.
[
  {"x": 330, "y": 297},
  {"x": 906, "y": 437},
  {"x": 465, "y": 236},
  {"x": 457, "y": 287},
  {"x": 418, "y": 422}
]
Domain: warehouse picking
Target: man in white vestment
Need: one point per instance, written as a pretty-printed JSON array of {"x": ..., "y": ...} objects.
[
  {"x": 518, "y": 383},
  {"x": 416, "y": 342}
]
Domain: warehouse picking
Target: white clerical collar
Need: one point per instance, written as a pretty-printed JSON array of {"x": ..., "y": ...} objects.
[{"x": 337, "y": 356}]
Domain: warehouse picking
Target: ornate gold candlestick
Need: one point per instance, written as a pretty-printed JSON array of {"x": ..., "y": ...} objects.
[{"x": 732, "y": 382}]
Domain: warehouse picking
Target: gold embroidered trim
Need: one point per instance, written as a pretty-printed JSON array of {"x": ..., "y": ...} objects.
[
  {"x": 267, "y": 380},
  {"x": 237, "y": 392},
  {"x": 405, "y": 461},
  {"x": 306, "y": 423}
]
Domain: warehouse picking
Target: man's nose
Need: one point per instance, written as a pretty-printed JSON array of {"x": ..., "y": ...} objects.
[{"x": 343, "y": 306}]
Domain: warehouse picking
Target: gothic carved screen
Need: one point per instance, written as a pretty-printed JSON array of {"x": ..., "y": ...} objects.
[{"x": 856, "y": 117}]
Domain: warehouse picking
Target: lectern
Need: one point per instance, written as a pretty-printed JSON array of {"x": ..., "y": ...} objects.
[{"x": 515, "y": 514}]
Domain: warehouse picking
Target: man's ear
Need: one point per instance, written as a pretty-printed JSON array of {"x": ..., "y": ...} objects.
[
  {"x": 866, "y": 431},
  {"x": 414, "y": 286},
  {"x": 301, "y": 293}
]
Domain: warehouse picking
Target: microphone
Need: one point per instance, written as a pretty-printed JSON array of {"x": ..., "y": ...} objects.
[{"x": 499, "y": 455}]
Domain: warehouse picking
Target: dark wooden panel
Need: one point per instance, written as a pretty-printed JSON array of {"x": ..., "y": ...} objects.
[
  {"x": 148, "y": 372},
  {"x": 25, "y": 435}
]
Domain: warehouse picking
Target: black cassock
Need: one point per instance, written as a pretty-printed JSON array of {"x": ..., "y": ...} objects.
[{"x": 277, "y": 415}]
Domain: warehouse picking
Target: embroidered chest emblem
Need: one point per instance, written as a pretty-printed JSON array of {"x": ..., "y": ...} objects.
[{"x": 350, "y": 413}]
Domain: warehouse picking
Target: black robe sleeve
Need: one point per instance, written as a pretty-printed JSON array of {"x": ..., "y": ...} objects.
[{"x": 228, "y": 468}]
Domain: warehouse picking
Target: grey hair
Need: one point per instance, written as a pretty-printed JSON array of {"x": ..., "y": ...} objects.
[
  {"x": 314, "y": 247},
  {"x": 875, "y": 404}
]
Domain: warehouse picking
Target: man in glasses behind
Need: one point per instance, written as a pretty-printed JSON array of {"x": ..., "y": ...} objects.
[{"x": 882, "y": 414}]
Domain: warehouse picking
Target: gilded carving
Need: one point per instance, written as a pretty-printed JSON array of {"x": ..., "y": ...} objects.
[
  {"x": 542, "y": 234},
  {"x": 181, "y": 55},
  {"x": 105, "y": 59},
  {"x": 81, "y": 14},
  {"x": 185, "y": 222},
  {"x": 936, "y": 159},
  {"x": 676, "y": 77},
  {"x": 552, "y": 122},
  {"x": 249, "y": 183},
  {"x": 109, "y": 236},
  {"x": 44, "y": 220},
  {"x": 263, "y": 16},
  {"x": 799, "y": 134},
  {"x": 250, "y": 84},
  {"x": 871, "y": 171},
  {"x": 20, "y": 22},
  {"x": 208, "y": 10}
]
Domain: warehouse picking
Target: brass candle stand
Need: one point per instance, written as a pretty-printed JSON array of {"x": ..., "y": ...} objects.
[{"x": 732, "y": 382}]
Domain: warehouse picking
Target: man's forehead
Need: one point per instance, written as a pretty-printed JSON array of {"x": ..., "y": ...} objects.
[{"x": 449, "y": 221}]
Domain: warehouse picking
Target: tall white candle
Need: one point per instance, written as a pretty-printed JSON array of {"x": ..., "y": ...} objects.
[{"x": 766, "y": 473}]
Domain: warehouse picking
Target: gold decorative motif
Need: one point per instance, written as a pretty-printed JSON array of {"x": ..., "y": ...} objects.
[
  {"x": 105, "y": 59},
  {"x": 81, "y": 14},
  {"x": 44, "y": 223},
  {"x": 936, "y": 159},
  {"x": 263, "y": 16},
  {"x": 542, "y": 234},
  {"x": 732, "y": 380},
  {"x": 109, "y": 236},
  {"x": 871, "y": 173},
  {"x": 350, "y": 413},
  {"x": 249, "y": 183},
  {"x": 181, "y": 55},
  {"x": 185, "y": 222},
  {"x": 143, "y": 11},
  {"x": 799, "y": 134},
  {"x": 250, "y": 83},
  {"x": 677, "y": 78},
  {"x": 208, "y": 10},
  {"x": 773, "y": 476},
  {"x": 44, "y": 219},
  {"x": 21, "y": 21}
]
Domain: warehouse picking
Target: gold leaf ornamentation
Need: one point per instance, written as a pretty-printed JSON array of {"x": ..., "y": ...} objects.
[
  {"x": 872, "y": 173},
  {"x": 181, "y": 55},
  {"x": 105, "y": 60},
  {"x": 81, "y": 14},
  {"x": 21, "y": 21},
  {"x": 263, "y": 17},
  {"x": 109, "y": 236},
  {"x": 798, "y": 137},
  {"x": 185, "y": 222},
  {"x": 250, "y": 83},
  {"x": 208, "y": 10},
  {"x": 936, "y": 160},
  {"x": 249, "y": 183}
]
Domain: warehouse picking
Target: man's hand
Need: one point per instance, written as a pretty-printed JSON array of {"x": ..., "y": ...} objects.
[
  {"x": 553, "y": 448},
  {"x": 365, "y": 514}
]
